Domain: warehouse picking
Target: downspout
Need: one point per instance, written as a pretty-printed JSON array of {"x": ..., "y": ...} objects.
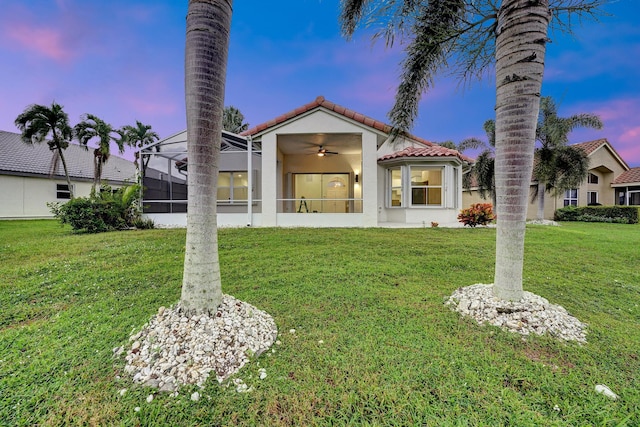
[{"x": 249, "y": 182}]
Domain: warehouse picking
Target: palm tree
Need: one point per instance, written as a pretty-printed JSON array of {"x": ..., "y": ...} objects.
[
  {"x": 233, "y": 120},
  {"x": 482, "y": 172},
  {"x": 139, "y": 136},
  {"x": 206, "y": 52},
  {"x": 466, "y": 36},
  {"x": 93, "y": 128},
  {"x": 39, "y": 122},
  {"x": 559, "y": 167}
]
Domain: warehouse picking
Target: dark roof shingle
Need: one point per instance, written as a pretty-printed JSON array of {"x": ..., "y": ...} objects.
[{"x": 19, "y": 158}]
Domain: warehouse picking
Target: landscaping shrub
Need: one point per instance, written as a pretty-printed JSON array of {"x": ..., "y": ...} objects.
[
  {"x": 617, "y": 214},
  {"x": 109, "y": 210},
  {"x": 477, "y": 214}
]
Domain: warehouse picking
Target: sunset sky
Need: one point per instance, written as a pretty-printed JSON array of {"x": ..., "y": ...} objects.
[{"x": 123, "y": 60}]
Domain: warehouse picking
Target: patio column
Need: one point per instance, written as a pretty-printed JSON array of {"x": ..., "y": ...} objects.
[
  {"x": 269, "y": 180},
  {"x": 369, "y": 180}
]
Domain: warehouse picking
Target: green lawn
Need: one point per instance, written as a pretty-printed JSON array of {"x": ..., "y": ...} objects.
[{"x": 391, "y": 353}]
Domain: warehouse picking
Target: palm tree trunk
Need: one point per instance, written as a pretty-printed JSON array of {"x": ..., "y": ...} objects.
[
  {"x": 207, "y": 45},
  {"x": 541, "y": 188},
  {"x": 521, "y": 35},
  {"x": 66, "y": 172}
]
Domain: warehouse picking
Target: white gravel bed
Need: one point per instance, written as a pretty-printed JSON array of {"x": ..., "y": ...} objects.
[
  {"x": 174, "y": 350},
  {"x": 531, "y": 315}
]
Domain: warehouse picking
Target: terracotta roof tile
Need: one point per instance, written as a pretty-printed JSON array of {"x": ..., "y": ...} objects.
[
  {"x": 320, "y": 102},
  {"x": 433, "y": 150},
  {"x": 590, "y": 146},
  {"x": 430, "y": 149},
  {"x": 628, "y": 177}
]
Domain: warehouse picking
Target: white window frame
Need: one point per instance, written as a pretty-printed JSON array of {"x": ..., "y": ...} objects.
[
  {"x": 569, "y": 200},
  {"x": 449, "y": 198},
  {"x": 391, "y": 187},
  {"x": 597, "y": 198},
  {"x": 63, "y": 189},
  {"x": 441, "y": 187},
  {"x": 231, "y": 187}
]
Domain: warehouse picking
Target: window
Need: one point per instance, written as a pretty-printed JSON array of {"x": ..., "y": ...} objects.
[
  {"x": 232, "y": 187},
  {"x": 62, "y": 191},
  {"x": 571, "y": 197},
  {"x": 592, "y": 179},
  {"x": 592, "y": 198},
  {"x": 395, "y": 179},
  {"x": 426, "y": 186}
]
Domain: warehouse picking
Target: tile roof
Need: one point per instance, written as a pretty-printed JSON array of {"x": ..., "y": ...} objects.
[
  {"x": 320, "y": 101},
  {"x": 591, "y": 146},
  {"x": 431, "y": 149},
  {"x": 628, "y": 177},
  {"x": 18, "y": 158}
]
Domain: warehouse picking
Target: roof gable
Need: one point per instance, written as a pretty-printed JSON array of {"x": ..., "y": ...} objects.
[
  {"x": 425, "y": 148},
  {"x": 319, "y": 102},
  {"x": 591, "y": 147}
]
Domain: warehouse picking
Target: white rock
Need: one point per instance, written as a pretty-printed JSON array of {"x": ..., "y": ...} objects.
[
  {"x": 603, "y": 389},
  {"x": 292, "y": 331},
  {"x": 195, "y": 396},
  {"x": 532, "y": 314},
  {"x": 150, "y": 398},
  {"x": 123, "y": 391},
  {"x": 186, "y": 350}
]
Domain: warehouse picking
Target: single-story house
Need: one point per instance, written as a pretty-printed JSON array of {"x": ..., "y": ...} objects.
[
  {"x": 319, "y": 165},
  {"x": 610, "y": 182},
  {"x": 30, "y": 176}
]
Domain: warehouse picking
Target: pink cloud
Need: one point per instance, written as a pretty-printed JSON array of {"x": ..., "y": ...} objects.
[{"x": 44, "y": 41}]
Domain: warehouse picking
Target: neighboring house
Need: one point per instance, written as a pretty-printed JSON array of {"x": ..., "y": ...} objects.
[
  {"x": 320, "y": 165},
  {"x": 610, "y": 182},
  {"x": 29, "y": 179},
  {"x": 627, "y": 187}
]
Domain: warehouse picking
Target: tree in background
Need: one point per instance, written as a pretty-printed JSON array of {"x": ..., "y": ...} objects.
[
  {"x": 39, "y": 123},
  {"x": 92, "y": 128},
  {"x": 467, "y": 36},
  {"x": 558, "y": 166},
  {"x": 482, "y": 173},
  {"x": 233, "y": 120},
  {"x": 137, "y": 137},
  {"x": 206, "y": 52}
]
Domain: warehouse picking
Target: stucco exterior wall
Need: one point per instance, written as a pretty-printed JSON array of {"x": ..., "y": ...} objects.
[
  {"x": 27, "y": 197},
  {"x": 274, "y": 179}
]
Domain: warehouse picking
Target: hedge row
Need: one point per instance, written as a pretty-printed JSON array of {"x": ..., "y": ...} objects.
[{"x": 618, "y": 214}]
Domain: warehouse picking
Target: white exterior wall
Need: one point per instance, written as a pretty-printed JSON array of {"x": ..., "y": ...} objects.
[
  {"x": 27, "y": 197},
  {"x": 272, "y": 185}
]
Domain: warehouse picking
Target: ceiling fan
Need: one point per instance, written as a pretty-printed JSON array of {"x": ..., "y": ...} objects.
[{"x": 323, "y": 152}]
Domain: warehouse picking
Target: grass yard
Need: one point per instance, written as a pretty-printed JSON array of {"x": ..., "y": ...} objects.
[{"x": 374, "y": 343}]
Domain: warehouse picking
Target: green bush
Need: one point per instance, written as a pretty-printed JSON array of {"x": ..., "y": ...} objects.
[
  {"x": 477, "y": 214},
  {"x": 615, "y": 214},
  {"x": 107, "y": 211}
]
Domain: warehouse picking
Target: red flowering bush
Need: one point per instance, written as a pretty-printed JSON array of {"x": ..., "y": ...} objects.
[{"x": 477, "y": 214}]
